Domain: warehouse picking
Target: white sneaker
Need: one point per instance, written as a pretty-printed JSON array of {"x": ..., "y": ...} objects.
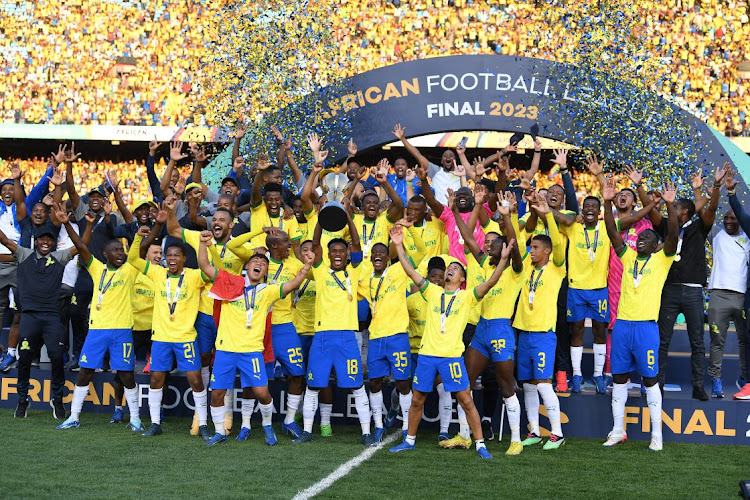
[
  {"x": 614, "y": 438},
  {"x": 656, "y": 444}
]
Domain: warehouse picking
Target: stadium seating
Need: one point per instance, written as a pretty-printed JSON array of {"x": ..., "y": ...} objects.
[{"x": 701, "y": 42}]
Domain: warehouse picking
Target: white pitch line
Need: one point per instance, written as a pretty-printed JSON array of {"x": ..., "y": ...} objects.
[{"x": 344, "y": 469}]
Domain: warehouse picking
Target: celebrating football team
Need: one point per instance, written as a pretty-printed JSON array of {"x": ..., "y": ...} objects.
[{"x": 456, "y": 277}]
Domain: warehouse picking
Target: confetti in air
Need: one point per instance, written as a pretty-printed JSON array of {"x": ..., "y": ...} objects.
[{"x": 264, "y": 61}]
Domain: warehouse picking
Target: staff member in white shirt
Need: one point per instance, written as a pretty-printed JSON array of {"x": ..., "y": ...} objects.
[{"x": 727, "y": 285}]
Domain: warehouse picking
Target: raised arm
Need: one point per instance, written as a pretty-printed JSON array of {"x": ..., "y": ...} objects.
[
  {"x": 127, "y": 216},
  {"x": 81, "y": 245},
  {"x": 731, "y": 184},
  {"x": 509, "y": 211},
  {"x": 175, "y": 155},
  {"x": 429, "y": 195},
  {"x": 239, "y": 133},
  {"x": 295, "y": 283},
  {"x": 708, "y": 216},
  {"x": 399, "y": 132},
  {"x": 83, "y": 249},
  {"x": 261, "y": 167},
  {"x": 608, "y": 194},
  {"x": 466, "y": 233},
  {"x": 317, "y": 249},
  {"x": 351, "y": 153},
  {"x": 153, "y": 234},
  {"x": 699, "y": 199},
  {"x": 68, "y": 157},
  {"x": 673, "y": 226},
  {"x": 200, "y": 160},
  {"x": 7, "y": 243},
  {"x": 173, "y": 226},
  {"x": 236, "y": 245},
  {"x": 309, "y": 188},
  {"x": 636, "y": 177},
  {"x": 134, "y": 254},
  {"x": 396, "y": 210},
  {"x": 206, "y": 240},
  {"x": 353, "y": 234},
  {"x": 483, "y": 289},
  {"x": 397, "y": 238},
  {"x": 153, "y": 179},
  {"x": 535, "y": 160},
  {"x": 17, "y": 174}
]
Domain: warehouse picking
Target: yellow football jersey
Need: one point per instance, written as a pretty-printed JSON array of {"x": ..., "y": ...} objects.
[
  {"x": 641, "y": 287},
  {"x": 447, "y": 316},
  {"x": 588, "y": 256},
  {"x": 115, "y": 287}
]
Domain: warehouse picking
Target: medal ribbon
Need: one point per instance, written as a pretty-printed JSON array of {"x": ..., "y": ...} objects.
[
  {"x": 172, "y": 300},
  {"x": 638, "y": 275},
  {"x": 103, "y": 288},
  {"x": 348, "y": 287},
  {"x": 444, "y": 313}
]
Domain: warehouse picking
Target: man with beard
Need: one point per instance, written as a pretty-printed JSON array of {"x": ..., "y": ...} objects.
[{"x": 205, "y": 326}]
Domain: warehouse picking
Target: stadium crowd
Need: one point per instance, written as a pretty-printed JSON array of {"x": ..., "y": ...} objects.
[
  {"x": 499, "y": 275},
  {"x": 48, "y": 57}
]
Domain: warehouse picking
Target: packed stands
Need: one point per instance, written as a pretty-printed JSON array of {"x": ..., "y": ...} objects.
[{"x": 146, "y": 55}]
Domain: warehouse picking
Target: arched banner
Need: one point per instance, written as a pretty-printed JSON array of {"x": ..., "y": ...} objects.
[{"x": 619, "y": 121}]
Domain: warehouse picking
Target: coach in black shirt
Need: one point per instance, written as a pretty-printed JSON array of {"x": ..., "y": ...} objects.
[
  {"x": 683, "y": 290},
  {"x": 39, "y": 276}
]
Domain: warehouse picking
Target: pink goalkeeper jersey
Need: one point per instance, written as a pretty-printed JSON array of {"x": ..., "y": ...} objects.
[
  {"x": 614, "y": 280},
  {"x": 455, "y": 242}
]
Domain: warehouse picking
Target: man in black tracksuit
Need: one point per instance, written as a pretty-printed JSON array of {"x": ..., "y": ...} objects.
[{"x": 39, "y": 276}]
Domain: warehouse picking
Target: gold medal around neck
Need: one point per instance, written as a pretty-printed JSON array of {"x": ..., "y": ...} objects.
[
  {"x": 98, "y": 307},
  {"x": 171, "y": 317}
]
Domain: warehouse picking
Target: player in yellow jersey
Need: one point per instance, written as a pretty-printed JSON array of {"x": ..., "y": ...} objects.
[
  {"x": 287, "y": 348},
  {"x": 110, "y": 326},
  {"x": 442, "y": 344},
  {"x": 334, "y": 345},
  {"x": 388, "y": 351},
  {"x": 245, "y": 304},
  {"x": 142, "y": 302},
  {"x": 266, "y": 208},
  {"x": 309, "y": 209},
  {"x": 494, "y": 339},
  {"x": 588, "y": 267},
  {"x": 304, "y": 322},
  {"x": 535, "y": 319},
  {"x": 635, "y": 338},
  {"x": 222, "y": 224},
  {"x": 432, "y": 231},
  {"x": 373, "y": 223},
  {"x": 178, "y": 294},
  {"x": 417, "y": 307}
]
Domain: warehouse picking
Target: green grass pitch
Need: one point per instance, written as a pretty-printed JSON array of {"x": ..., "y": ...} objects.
[{"x": 103, "y": 460}]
